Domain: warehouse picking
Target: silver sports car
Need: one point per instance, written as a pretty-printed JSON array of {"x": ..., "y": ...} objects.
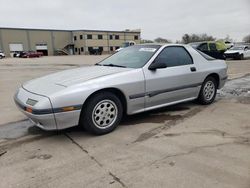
[{"x": 134, "y": 80}]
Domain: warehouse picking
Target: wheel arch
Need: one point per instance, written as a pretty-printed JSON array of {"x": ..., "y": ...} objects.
[
  {"x": 216, "y": 77},
  {"x": 115, "y": 91}
]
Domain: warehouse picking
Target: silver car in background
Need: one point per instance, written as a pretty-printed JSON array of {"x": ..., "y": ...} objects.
[{"x": 134, "y": 80}]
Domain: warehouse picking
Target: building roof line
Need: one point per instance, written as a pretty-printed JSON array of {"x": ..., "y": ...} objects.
[{"x": 74, "y": 30}]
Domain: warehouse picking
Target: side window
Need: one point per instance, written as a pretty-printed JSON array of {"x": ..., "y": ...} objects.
[
  {"x": 174, "y": 56},
  {"x": 212, "y": 47},
  {"x": 203, "y": 47}
]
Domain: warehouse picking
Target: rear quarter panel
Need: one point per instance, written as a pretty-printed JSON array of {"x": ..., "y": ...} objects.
[{"x": 206, "y": 67}]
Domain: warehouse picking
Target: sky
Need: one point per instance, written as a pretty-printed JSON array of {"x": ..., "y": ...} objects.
[{"x": 169, "y": 19}]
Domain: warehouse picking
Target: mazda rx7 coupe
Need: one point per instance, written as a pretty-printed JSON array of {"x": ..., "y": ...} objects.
[{"x": 136, "y": 79}]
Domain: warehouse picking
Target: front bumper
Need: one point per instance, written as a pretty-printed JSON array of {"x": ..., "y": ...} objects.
[
  {"x": 40, "y": 117},
  {"x": 232, "y": 55},
  {"x": 43, "y": 115}
]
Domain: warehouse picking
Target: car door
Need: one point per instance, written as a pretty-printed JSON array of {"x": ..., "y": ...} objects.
[
  {"x": 247, "y": 52},
  {"x": 178, "y": 81}
]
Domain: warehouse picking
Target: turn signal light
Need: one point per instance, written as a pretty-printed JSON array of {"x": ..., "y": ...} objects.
[
  {"x": 29, "y": 109},
  {"x": 70, "y": 108}
]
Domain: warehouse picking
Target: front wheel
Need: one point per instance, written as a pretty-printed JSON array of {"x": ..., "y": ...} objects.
[
  {"x": 102, "y": 113},
  {"x": 208, "y": 91}
]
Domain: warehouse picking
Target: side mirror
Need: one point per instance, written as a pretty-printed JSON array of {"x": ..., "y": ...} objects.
[{"x": 157, "y": 65}]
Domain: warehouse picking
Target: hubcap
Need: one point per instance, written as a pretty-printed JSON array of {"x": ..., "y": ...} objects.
[
  {"x": 104, "y": 114},
  {"x": 209, "y": 90}
]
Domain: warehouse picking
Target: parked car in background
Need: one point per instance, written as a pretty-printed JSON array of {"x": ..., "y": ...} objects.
[
  {"x": 229, "y": 44},
  {"x": 136, "y": 79},
  {"x": 2, "y": 55},
  {"x": 125, "y": 45},
  {"x": 95, "y": 51},
  {"x": 30, "y": 54},
  {"x": 17, "y": 54},
  {"x": 211, "y": 48},
  {"x": 238, "y": 52}
]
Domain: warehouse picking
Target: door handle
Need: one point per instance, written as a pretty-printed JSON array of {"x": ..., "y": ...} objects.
[{"x": 193, "y": 69}]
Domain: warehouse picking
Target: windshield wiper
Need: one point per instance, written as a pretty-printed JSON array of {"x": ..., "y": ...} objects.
[{"x": 113, "y": 65}]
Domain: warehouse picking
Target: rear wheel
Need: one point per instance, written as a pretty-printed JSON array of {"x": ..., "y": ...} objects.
[
  {"x": 208, "y": 91},
  {"x": 241, "y": 57},
  {"x": 102, "y": 113}
]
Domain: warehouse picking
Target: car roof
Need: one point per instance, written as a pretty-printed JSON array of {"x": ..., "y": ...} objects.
[{"x": 161, "y": 44}]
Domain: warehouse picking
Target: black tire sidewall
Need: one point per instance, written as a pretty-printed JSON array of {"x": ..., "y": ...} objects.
[
  {"x": 86, "y": 115},
  {"x": 201, "y": 98}
]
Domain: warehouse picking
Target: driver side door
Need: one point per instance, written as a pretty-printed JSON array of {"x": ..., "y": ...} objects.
[{"x": 179, "y": 81}]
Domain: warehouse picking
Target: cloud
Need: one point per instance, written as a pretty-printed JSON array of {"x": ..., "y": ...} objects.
[{"x": 168, "y": 19}]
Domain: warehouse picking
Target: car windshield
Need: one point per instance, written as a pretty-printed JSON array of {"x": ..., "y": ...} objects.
[
  {"x": 131, "y": 57},
  {"x": 237, "y": 48}
]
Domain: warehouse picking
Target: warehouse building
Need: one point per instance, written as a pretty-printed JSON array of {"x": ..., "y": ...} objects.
[{"x": 64, "y": 42}]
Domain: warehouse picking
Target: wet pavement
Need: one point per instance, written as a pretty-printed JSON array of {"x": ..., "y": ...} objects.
[
  {"x": 185, "y": 145},
  {"x": 235, "y": 89}
]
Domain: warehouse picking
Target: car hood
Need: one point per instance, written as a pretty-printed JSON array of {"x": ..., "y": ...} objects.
[{"x": 55, "y": 82}]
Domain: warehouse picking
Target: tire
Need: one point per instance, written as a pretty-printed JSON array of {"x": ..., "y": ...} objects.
[
  {"x": 102, "y": 113},
  {"x": 208, "y": 91},
  {"x": 241, "y": 57},
  {"x": 1, "y": 57}
]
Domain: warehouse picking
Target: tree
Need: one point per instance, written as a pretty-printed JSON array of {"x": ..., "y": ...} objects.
[
  {"x": 187, "y": 38},
  {"x": 162, "y": 40},
  {"x": 227, "y": 38},
  {"x": 246, "y": 39}
]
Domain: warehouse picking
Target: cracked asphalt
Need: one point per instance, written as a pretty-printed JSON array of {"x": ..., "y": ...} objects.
[{"x": 186, "y": 145}]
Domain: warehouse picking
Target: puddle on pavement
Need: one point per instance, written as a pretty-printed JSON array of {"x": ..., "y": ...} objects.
[
  {"x": 237, "y": 88},
  {"x": 19, "y": 129},
  {"x": 157, "y": 116},
  {"x": 23, "y": 128}
]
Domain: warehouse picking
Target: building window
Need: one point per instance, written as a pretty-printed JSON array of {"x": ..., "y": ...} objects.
[
  {"x": 136, "y": 37},
  {"x": 99, "y": 37},
  {"x": 75, "y": 49},
  {"x": 89, "y": 36},
  {"x": 75, "y": 38},
  {"x": 110, "y": 37},
  {"x": 117, "y": 37},
  {"x": 117, "y": 47},
  {"x": 100, "y": 49},
  {"x": 82, "y": 49},
  {"x": 80, "y": 37},
  {"x": 111, "y": 48}
]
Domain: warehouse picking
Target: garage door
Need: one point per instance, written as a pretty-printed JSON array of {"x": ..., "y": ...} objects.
[
  {"x": 42, "y": 48},
  {"x": 16, "y": 47}
]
